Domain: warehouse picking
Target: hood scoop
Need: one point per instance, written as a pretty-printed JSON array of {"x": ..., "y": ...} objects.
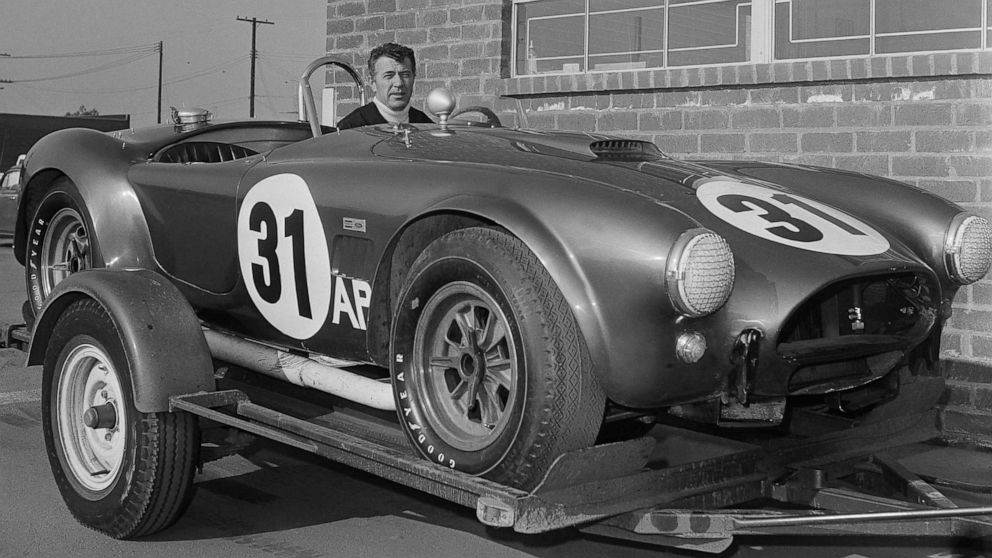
[{"x": 625, "y": 150}]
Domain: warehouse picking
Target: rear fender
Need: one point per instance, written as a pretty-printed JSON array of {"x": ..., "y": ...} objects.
[
  {"x": 97, "y": 164},
  {"x": 163, "y": 340}
]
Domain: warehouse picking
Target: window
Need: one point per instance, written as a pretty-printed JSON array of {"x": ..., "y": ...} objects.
[
  {"x": 573, "y": 36},
  {"x": 815, "y": 29},
  {"x": 569, "y": 36},
  {"x": 10, "y": 182}
]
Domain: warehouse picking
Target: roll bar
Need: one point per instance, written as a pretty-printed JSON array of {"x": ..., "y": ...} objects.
[{"x": 307, "y": 106}]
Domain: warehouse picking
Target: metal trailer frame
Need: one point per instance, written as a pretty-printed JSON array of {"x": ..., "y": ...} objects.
[{"x": 622, "y": 490}]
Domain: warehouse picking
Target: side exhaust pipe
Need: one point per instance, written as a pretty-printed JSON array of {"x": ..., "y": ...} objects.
[{"x": 300, "y": 370}]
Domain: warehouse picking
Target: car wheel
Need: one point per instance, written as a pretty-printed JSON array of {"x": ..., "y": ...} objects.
[
  {"x": 59, "y": 240},
  {"x": 490, "y": 373},
  {"x": 120, "y": 471}
]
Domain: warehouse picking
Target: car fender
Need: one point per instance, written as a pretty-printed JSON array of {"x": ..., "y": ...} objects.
[
  {"x": 97, "y": 163},
  {"x": 555, "y": 257},
  {"x": 162, "y": 337},
  {"x": 558, "y": 250}
]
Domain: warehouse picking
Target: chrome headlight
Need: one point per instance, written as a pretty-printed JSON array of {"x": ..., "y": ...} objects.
[
  {"x": 700, "y": 273},
  {"x": 968, "y": 248}
]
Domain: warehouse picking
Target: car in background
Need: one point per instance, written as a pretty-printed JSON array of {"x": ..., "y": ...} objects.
[{"x": 10, "y": 187}]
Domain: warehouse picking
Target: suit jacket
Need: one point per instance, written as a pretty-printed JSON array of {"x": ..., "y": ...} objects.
[{"x": 368, "y": 114}]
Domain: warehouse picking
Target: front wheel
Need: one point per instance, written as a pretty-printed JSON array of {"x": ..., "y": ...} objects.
[
  {"x": 490, "y": 373},
  {"x": 60, "y": 242},
  {"x": 120, "y": 471}
]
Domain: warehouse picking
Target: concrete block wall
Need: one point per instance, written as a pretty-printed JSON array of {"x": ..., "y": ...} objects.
[{"x": 923, "y": 119}]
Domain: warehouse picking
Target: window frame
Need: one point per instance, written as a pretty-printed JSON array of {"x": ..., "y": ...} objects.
[{"x": 762, "y": 48}]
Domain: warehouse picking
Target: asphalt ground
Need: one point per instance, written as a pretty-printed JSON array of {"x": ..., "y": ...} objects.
[{"x": 279, "y": 502}]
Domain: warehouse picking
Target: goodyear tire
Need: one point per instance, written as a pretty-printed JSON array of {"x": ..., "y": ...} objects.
[
  {"x": 490, "y": 373},
  {"x": 59, "y": 241},
  {"x": 121, "y": 472}
]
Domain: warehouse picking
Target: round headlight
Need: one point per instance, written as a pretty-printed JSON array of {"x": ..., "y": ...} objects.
[
  {"x": 700, "y": 273},
  {"x": 968, "y": 248}
]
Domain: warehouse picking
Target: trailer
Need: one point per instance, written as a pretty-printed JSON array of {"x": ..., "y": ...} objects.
[{"x": 676, "y": 487}]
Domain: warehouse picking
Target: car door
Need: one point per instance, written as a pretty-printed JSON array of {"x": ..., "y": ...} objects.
[{"x": 191, "y": 214}]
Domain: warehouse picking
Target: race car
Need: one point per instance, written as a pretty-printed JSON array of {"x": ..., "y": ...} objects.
[{"x": 517, "y": 289}]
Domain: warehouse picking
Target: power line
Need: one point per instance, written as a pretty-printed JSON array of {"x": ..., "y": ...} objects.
[
  {"x": 106, "y": 52},
  {"x": 93, "y": 70},
  {"x": 180, "y": 79}
]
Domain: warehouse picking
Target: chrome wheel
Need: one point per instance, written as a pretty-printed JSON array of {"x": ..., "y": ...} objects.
[
  {"x": 466, "y": 366},
  {"x": 90, "y": 414},
  {"x": 65, "y": 249}
]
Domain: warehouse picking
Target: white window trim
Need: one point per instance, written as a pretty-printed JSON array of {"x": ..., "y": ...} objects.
[{"x": 762, "y": 39}]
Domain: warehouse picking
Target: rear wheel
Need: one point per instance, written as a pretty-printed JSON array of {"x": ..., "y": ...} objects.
[
  {"x": 59, "y": 242},
  {"x": 490, "y": 373},
  {"x": 120, "y": 471}
]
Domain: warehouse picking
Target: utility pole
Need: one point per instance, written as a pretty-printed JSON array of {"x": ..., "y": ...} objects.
[
  {"x": 254, "y": 54},
  {"x": 160, "y": 82}
]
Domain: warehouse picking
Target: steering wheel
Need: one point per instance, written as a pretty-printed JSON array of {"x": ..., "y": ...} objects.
[{"x": 491, "y": 121}]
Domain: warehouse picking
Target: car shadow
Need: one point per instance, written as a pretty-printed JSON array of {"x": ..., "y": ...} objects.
[{"x": 281, "y": 500}]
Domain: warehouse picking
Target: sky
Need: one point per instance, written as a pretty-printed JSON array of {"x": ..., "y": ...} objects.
[{"x": 102, "y": 54}]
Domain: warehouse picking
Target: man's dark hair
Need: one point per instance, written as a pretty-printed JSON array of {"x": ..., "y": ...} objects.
[{"x": 394, "y": 51}]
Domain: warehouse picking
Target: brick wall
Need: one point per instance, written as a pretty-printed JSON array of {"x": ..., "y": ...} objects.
[{"x": 923, "y": 119}]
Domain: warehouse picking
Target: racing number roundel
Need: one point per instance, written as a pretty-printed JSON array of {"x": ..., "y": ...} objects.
[
  {"x": 790, "y": 219},
  {"x": 283, "y": 255}
]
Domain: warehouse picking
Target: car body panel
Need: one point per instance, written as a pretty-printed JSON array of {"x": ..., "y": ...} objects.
[{"x": 303, "y": 244}]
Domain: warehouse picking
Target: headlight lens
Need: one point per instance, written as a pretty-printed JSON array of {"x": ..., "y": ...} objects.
[
  {"x": 700, "y": 273},
  {"x": 968, "y": 248}
]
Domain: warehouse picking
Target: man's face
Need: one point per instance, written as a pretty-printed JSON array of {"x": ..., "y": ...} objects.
[{"x": 393, "y": 82}]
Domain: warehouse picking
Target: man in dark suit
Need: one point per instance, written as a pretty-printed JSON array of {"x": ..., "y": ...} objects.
[{"x": 393, "y": 69}]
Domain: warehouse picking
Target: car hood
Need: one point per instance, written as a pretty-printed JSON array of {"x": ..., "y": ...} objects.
[{"x": 755, "y": 215}]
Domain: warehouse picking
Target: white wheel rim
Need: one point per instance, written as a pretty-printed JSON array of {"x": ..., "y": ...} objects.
[{"x": 93, "y": 455}]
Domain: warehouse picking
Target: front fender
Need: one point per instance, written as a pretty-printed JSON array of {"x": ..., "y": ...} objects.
[
  {"x": 97, "y": 164},
  {"x": 162, "y": 337},
  {"x": 610, "y": 277}
]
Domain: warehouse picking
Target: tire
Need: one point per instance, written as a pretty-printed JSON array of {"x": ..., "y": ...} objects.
[
  {"x": 490, "y": 373},
  {"x": 59, "y": 242},
  {"x": 121, "y": 472}
]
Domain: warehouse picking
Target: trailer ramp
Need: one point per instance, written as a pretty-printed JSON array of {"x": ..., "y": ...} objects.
[{"x": 675, "y": 488}]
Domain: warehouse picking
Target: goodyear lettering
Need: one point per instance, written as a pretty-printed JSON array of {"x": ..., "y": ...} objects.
[{"x": 421, "y": 436}]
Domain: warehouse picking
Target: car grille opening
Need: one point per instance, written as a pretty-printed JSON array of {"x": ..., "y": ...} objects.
[
  {"x": 857, "y": 330},
  {"x": 862, "y": 315}
]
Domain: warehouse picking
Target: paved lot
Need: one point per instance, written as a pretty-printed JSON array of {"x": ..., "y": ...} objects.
[{"x": 281, "y": 503}]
